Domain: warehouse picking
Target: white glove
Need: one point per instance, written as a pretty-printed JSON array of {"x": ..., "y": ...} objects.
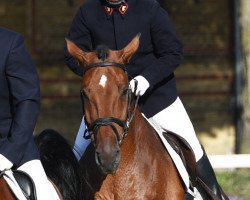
[
  {"x": 142, "y": 85},
  {"x": 4, "y": 163}
]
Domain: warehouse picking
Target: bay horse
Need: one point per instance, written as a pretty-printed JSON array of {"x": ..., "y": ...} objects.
[
  {"x": 126, "y": 160},
  {"x": 5, "y": 192},
  {"x": 60, "y": 165}
]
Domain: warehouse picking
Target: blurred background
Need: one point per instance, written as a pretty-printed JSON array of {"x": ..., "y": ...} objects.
[{"x": 212, "y": 81}]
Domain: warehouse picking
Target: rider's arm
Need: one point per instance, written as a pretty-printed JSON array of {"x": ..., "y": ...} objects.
[
  {"x": 24, "y": 92},
  {"x": 167, "y": 48}
]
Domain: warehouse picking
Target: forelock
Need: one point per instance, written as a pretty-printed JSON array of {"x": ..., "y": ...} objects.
[{"x": 102, "y": 52}]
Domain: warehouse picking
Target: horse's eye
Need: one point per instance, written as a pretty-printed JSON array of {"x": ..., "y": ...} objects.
[{"x": 83, "y": 95}]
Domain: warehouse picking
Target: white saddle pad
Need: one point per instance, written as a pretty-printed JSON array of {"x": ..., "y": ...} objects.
[{"x": 177, "y": 160}]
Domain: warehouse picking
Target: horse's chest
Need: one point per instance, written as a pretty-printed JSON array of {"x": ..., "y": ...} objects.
[
  {"x": 111, "y": 189},
  {"x": 129, "y": 187},
  {"x": 106, "y": 191}
]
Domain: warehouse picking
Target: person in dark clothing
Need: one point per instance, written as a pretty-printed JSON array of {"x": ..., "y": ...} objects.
[
  {"x": 19, "y": 110},
  {"x": 115, "y": 23}
]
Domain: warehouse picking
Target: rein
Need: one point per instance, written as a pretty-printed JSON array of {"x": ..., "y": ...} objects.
[{"x": 93, "y": 127}]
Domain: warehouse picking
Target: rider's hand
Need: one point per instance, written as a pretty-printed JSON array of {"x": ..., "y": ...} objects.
[
  {"x": 4, "y": 163},
  {"x": 142, "y": 85}
]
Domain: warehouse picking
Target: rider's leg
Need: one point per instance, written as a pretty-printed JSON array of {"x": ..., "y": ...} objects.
[
  {"x": 81, "y": 143},
  {"x": 44, "y": 189},
  {"x": 175, "y": 119}
]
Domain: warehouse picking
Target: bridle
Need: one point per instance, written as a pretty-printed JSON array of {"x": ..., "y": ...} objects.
[
  {"x": 103, "y": 64},
  {"x": 93, "y": 127}
]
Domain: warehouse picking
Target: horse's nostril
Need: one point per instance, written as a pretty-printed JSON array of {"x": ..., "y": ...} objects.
[
  {"x": 97, "y": 158},
  {"x": 97, "y": 154}
]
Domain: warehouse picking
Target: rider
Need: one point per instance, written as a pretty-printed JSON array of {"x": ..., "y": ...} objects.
[
  {"x": 115, "y": 23},
  {"x": 19, "y": 110}
]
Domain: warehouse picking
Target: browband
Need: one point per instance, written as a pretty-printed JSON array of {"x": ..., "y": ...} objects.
[{"x": 104, "y": 64}]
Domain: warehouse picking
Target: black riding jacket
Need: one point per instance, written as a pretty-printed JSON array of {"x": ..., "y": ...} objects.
[{"x": 159, "y": 53}]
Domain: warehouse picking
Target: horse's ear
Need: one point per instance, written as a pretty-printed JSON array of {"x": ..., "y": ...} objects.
[
  {"x": 76, "y": 52},
  {"x": 131, "y": 48}
]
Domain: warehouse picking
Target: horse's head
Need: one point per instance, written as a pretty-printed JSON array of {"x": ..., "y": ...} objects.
[{"x": 107, "y": 98}]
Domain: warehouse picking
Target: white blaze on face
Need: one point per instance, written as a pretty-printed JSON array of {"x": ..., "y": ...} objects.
[{"x": 103, "y": 81}]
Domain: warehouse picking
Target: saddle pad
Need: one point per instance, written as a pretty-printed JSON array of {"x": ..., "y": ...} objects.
[
  {"x": 177, "y": 161},
  {"x": 9, "y": 178},
  {"x": 175, "y": 157}
]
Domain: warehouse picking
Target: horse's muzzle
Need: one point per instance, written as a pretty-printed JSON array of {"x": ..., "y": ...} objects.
[{"x": 108, "y": 163}]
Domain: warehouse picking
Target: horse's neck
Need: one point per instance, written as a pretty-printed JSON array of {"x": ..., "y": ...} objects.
[
  {"x": 5, "y": 192},
  {"x": 141, "y": 133}
]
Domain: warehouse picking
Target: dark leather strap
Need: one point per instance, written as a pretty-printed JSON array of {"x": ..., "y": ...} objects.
[
  {"x": 26, "y": 184},
  {"x": 185, "y": 152},
  {"x": 103, "y": 64}
]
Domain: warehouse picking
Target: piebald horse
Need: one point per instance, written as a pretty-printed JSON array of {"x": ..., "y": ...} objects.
[{"x": 126, "y": 160}]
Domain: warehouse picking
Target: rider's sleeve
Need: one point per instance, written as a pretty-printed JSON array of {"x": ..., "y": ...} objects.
[
  {"x": 80, "y": 35},
  {"x": 4, "y": 163},
  {"x": 24, "y": 91},
  {"x": 167, "y": 48}
]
